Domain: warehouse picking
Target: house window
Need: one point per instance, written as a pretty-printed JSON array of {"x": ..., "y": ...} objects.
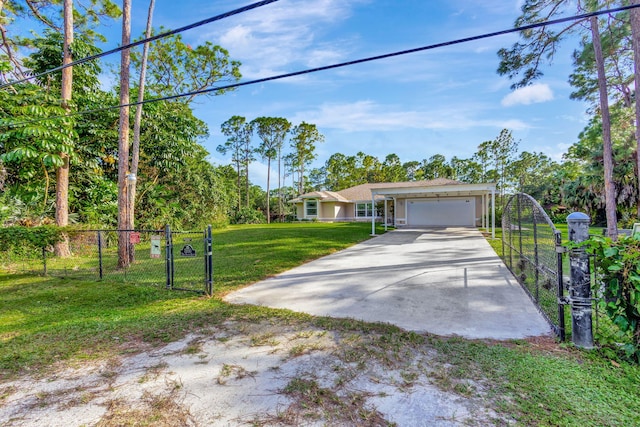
[
  {"x": 363, "y": 210},
  {"x": 311, "y": 208}
]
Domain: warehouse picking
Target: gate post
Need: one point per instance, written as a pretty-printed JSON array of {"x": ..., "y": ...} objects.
[
  {"x": 100, "y": 253},
  {"x": 580, "y": 287},
  {"x": 208, "y": 261},
  {"x": 560, "y": 285},
  {"x": 168, "y": 256}
]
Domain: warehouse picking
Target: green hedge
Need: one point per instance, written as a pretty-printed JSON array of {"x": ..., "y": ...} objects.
[
  {"x": 20, "y": 240},
  {"x": 618, "y": 271}
]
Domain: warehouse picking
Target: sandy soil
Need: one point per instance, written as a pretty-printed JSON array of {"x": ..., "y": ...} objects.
[{"x": 248, "y": 374}]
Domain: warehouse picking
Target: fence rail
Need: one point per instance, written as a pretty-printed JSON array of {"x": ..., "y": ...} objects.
[
  {"x": 532, "y": 250},
  {"x": 179, "y": 260}
]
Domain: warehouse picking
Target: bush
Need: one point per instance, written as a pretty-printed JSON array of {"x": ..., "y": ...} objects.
[
  {"x": 12, "y": 238},
  {"x": 21, "y": 241},
  {"x": 618, "y": 285},
  {"x": 248, "y": 216}
]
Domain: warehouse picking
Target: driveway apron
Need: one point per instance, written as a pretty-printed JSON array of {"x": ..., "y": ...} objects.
[{"x": 445, "y": 281}]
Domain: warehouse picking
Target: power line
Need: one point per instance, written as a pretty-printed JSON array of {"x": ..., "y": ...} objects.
[
  {"x": 344, "y": 64},
  {"x": 150, "y": 39}
]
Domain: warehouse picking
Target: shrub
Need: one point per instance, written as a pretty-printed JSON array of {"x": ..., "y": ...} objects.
[
  {"x": 21, "y": 241},
  {"x": 248, "y": 216},
  {"x": 618, "y": 285}
]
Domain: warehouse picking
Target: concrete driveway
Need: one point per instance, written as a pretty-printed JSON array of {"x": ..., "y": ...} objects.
[{"x": 446, "y": 281}]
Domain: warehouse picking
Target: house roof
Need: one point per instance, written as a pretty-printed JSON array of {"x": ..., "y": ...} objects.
[{"x": 363, "y": 192}]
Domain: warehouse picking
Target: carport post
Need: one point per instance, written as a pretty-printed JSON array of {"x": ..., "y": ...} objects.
[
  {"x": 385, "y": 214},
  {"x": 482, "y": 207},
  {"x": 486, "y": 212},
  {"x": 493, "y": 213},
  {"x": 373, "y": 215}
]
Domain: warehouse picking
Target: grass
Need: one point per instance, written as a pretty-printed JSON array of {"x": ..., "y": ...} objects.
[
  {"x": 46, "y": 319},
  {"x": 547, "y": 386},
  {"x": 48, "y": 322},
  {"x": 249, "y": 253}
]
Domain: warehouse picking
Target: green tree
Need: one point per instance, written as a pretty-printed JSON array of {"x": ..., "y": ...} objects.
[
  {"x": 368, "y": 169},
  {"x": 436, "y": 167},
  {"x": 526, "y": 57},
  {"x": 500, "y": 152},
  {"x": 272, "y": 131},
  {"x": 392, "y": 170},
  {"x": 47, "y": 54},
  {"x": 413, "y": 170},
  {"x": 175, "y": 67},
  {"x": 238, "y": 133},
  {"x": 466, "y": 170},
  {"x": 531, "y": 173},
  {"x": 338, "y": 171},
  {"x": 304, "y": 138},
  {"x": 32, "y": 149},
  {"x": 48, "y": 15},
  {"x": 588, "y": 153}
]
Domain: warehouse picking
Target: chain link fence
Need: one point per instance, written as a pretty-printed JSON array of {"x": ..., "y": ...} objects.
[
  {"x": 176, "y": 260},
  {"x": 532, "y": 251}
]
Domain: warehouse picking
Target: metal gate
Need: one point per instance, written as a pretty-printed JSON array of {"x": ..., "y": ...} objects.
[
  {"x": 189, "y": 260},
  {"x": 532, "y": 250}
]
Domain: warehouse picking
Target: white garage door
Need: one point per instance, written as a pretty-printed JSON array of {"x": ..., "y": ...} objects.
[{"x": 441, "y": 212}]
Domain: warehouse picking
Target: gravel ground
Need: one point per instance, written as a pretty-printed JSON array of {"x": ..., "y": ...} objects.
[{"x": 259, "y": 374}]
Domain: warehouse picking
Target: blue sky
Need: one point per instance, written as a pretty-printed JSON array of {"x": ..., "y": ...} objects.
[{"x": 444, "y": 101}]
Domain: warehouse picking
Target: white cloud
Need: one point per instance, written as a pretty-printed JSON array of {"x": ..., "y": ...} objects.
[
  {"x": 370, "y": 116},
  {"x": 282, "y": 34},
  {"x": 528, "y": 95}
]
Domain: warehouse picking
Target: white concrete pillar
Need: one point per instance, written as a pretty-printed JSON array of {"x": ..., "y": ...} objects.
[
  {"x": 373, "y": 216},
  {"x": 385, "y": 214},
  {"x": 493, "y": 213}
]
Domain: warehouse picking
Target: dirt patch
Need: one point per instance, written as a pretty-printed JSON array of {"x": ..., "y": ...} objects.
[{"x": 247, "y": 373}]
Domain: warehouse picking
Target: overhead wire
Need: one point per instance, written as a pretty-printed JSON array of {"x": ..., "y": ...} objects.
[
  {"x": 340, "y": 64},
  {"x": 148, "y": 39}
]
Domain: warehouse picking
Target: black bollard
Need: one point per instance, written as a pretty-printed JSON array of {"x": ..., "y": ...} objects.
[{"x": 580, "y": 287}]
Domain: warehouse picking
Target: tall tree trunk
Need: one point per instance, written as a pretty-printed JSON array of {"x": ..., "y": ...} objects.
[
  {"x": 246, "y": 183},
  {"x": 268, "y": 180},
  {"x": 62, "y": 172},
  {"x": 301, "y": 182},
  {"x": 635, "y": 37},
  {"x": 607, "y": 150},
  {"x": 123, "y": 140},
  {"x": 239, "y": 185},
  {"x": 135, "y": 149},
  {"x": 279, "y": 184}
]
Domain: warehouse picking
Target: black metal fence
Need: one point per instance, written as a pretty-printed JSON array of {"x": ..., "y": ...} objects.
[
  {"x": 532, "y": 250},
  {"x": 179, "y": 260}
]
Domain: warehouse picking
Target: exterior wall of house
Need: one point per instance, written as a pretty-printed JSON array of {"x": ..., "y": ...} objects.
[
  {"x": 340, "y": 211},
  {"x": 327, "y": 211},
  {"x": 401, "y": 212},
  {"x": 343, "y": 211},
  {"x": 330, "y": 211}
]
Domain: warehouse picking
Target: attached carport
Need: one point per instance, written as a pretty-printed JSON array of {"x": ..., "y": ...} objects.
[{"x": 450, "y": 205}]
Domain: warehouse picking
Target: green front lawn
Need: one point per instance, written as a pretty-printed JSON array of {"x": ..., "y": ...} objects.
[{"x": 48, "y": 319}]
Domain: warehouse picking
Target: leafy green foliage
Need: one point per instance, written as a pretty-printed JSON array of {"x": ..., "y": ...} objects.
[
  {"x": 19, "y": 240},
  {"x": 35, "y": 134},
  {"x": 248, "y": 216},
  {"x": 175, "y": 67},
  {"x": 618, "y": 271}
]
